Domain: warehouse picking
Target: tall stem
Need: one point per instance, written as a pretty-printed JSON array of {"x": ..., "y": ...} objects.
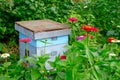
[
  {"x": 89, "y": 55},
  {"x": 26, "y": 50},
  {"x": 74, "y": 34},
  {"x": 87, "y": 40},
  {"x": 6, "y": 67},
  {"x": 91, "y": 61}
]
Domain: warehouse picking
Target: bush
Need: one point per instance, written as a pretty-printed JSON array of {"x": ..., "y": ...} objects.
[
  {"x": 15, "y": 10},
  {"x": 101, "y": 13}
]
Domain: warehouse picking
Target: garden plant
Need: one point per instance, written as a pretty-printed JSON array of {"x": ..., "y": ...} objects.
[{"x": 93, "y": 52}]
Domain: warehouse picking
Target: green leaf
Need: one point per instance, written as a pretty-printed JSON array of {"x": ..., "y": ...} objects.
[
  {"x": 79, "y": 45},
  {"x": 7, "y": 64},
  {"x": 35, "y": 74},
  {"x": 4, "y": 78},
  {"x": 61, "y": 63},
  {"x": 69, "y": 75},
  {"x": 27, "y": 2},
  {"x": 3, "y": 30},
  {"x": 31, "y": 60},
  {"x": 61, "y": 75}
]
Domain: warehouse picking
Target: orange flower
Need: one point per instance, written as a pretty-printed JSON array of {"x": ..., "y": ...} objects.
[{"x": 89, "y": 28}]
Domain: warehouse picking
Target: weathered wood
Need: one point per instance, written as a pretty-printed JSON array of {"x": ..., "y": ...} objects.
[
  {"x": 42, "y": 25},
  {"x": 42, "y": 28}
]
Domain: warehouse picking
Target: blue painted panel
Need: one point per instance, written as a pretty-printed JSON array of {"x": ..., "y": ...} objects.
[
  {"x": 53, "y": 41},
  {"x": 50, "y": 41}
]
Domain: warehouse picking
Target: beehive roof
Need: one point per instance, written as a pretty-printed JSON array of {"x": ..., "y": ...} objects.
[{"x": 42, "y": 25}]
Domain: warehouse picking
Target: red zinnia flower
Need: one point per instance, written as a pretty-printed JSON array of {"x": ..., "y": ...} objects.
[
  {"x": 63, "y": 57},
  {"x": 73, "y": 19},
  {"x": 25, "y": 39},
  {"x": 89, "y": 28},
  {"x": 85, "y": 35},
  {"x": 91, "y": 36},
  {"x": 110, "y": 39},
  {"x": 94, "y": 29}
]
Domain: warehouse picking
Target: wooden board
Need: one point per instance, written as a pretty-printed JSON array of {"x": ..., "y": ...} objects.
[{"x": 42, "y": 25}]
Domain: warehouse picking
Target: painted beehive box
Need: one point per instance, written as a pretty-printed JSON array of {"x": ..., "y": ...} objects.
[{"x": 55, "y": 33}]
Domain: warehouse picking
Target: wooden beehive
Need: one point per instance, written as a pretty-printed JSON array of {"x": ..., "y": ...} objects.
[{"x": 55, "y": 33}]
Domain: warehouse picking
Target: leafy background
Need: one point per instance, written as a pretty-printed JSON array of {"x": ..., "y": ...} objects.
[{"x": 104, "y": 14}]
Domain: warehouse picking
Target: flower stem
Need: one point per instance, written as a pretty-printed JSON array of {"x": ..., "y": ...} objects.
[
  {"x": 90, "y": 59},
  {"x": 26, "y": 50},
  {"x": 73, "y": 36}
]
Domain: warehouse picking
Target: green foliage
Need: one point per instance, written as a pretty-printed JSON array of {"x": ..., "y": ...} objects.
[
  {"x": 17, "y": 10},
  {"x": 94, "y": 62},
  {"x": 101, "y": 13},
  {"x": 20, "y": 71},
  {"x": 89, "y": 59},
  {"x": 84, "y": 61}
]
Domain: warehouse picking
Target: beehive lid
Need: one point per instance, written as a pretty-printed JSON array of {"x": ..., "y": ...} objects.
[{"x": 42, "y": 25}]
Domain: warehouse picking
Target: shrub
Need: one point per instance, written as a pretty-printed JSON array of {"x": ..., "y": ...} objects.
[{"x": 17, "y": 10}]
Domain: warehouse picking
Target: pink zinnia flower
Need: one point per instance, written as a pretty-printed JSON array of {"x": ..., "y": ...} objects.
[
  {"x": 25, "y": 39},
  {"x": 63, "y": 57},
  {"x": 80, "y": 37},
  {"x": 73, "y": 19}
]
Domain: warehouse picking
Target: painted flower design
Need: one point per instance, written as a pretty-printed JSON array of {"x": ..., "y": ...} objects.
[
  {"x": 73, "y": 19},
  {"x": 63, "y": 57},
  {"x": 25, "y": 39},
  {"x": 111, "y": 39}
]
